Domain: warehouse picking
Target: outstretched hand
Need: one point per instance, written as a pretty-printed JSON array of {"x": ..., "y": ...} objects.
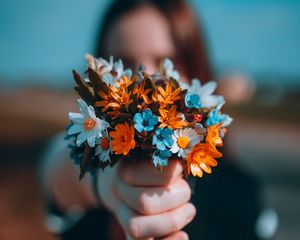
[{"x": 146, "y": 203}]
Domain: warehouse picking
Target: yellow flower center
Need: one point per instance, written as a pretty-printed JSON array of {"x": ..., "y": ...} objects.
[
  {"x": 89, "y": 124},
  {"x": 105, "y": 143},
  {"x": 183, "y": 142}
]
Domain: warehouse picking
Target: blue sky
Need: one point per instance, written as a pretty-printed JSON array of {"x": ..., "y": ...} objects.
[{"x": 49, "y": 38}]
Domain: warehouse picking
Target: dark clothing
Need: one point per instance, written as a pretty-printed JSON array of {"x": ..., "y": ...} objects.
[
  {"x": 227, "y": 201},
  {"x": 228, "y": 204}
]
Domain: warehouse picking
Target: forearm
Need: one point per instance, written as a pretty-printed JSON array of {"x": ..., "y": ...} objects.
[{"x": 60, "y": 180}]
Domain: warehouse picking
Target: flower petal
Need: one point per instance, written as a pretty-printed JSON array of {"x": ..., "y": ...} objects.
[
  {"x": 174, "y": 148},
  {"x": 91, "y": 111},
  {"x": 74, "y": 129},
  {"x": 91, "y": 140},
  {"x": 83, "y": 107},
  {"x": 81, "y": 138},
  {"x": 208, "y": 88},
  {"x": 76, "y": 117}
]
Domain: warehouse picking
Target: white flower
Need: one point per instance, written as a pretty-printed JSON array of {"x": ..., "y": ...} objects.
[
  {"x": 204, "y": 92},
  {"x": 103, "y": 149},
  {"x": 167, "y": 69},
  {"x": 86, "y": 124},
  {"x": 110, "y": 71},
  {"x": 100, "y": 65},
  {"x": 184, "y": 140}
]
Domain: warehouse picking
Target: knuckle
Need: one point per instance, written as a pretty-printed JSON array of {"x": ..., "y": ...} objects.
[
  {"x": 145, "y": 205},
  {"x": 133, "y": 229},
  {"x": 174, "y": 224}
]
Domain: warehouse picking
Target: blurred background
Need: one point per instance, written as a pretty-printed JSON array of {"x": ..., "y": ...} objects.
[{"x": 254, "y": 48}]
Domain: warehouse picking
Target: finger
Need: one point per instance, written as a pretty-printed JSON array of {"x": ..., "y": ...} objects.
[
  {"x": 181, "y": 235},
  {"x": 144, "y": 173},
  {"x": 154, "y": 200},
  {"x": 164, "y": 224}
]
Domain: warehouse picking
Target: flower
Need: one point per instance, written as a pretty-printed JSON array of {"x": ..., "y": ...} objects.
[
  {"x": 166, "y": 96},
  {"x": 100, "y": 65},
  {"x": 213, "y": 135},
  {"x": 197, "y": 118},
  {"x": 161, "y": 157},
  {"x": 124, "y": 82},
  {"x": 172, "y": 119},
  {"x": 145, "y": 121},
  {"x": 116, "y": 73},
  {"x": 123, "y": 139},
  {"x": 214, "y": 117},
  {"x": 192, "y": 100},
  {"x": 106, "y": 99},
  {"x": 167, "y": 69},
  {"x": 109, "y": 71},
  {"x": 202, "y": 158},
  {"x": 207, "y": 100},
  {"x": 141, "y": 92},
  {"x": 184, "y": 140},
  {"x": 103, "y": 149},
  {"x": 115, "y": 98},
  {"x": 86, "y": 124},
  {"x": 162, "y": 138},
  {"x": 122, "y": 98},
  {"x": 120, "y": 71}
]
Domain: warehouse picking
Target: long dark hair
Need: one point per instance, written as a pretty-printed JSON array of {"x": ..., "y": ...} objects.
[{"x": 190, "y": 51}]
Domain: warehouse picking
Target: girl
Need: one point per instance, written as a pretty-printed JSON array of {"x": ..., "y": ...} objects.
[{"x": 138, "y": 202}]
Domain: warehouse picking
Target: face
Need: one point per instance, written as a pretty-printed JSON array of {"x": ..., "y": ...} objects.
[{"x": 141, "y": 36}]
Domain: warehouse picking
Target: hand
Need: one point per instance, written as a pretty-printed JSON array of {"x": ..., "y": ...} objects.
[{"x": 146, "y": 203}]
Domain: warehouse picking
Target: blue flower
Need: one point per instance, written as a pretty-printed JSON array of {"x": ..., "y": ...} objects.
[
  {"x": 192, "y": 100},
  {"x": 161, "y": 158},
  {"x": 162, "y": 138},
  {"x": 145, "y": 121},
  {"x": 214, "y": 118}
]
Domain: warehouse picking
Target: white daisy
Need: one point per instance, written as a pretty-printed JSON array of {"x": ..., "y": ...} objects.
[
  {"x": 184, "y": 140},
  {"x": 88, "y": 127},
  {"x": 103, "y": 149}
]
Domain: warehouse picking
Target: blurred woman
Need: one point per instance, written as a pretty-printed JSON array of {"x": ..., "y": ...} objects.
[{"x": 141, "y": 203}]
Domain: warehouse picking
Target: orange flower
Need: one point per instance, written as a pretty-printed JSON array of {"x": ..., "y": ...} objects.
[
  {"x": 115, "y": 98},
  {"x": 202, "y": 158},
  {"x": 166, "y": 96},
  {"x": 122, "y": 139},
  {"x": 213, "y": 135},
  {"x": 170, "y": 118},
  {"x": 106, "y": 99},
  {"x": 121, "y": 98},
  {"x": 124, "y": 82},
  {"x": 141, "y": 92}
]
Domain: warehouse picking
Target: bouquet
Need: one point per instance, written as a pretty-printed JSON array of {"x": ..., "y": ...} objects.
[{"x": 145, "y": 117}]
